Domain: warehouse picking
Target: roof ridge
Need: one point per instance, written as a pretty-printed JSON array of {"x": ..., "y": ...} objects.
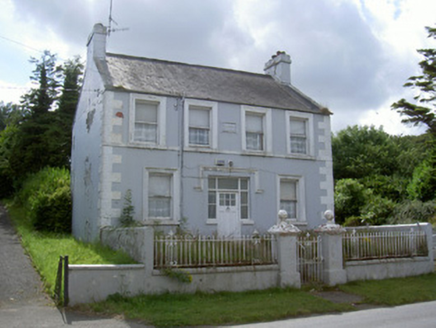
[{"x": 164, "y": 61}]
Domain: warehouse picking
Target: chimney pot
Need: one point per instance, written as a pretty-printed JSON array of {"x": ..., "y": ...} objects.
[{"x": 279, "y": 67}]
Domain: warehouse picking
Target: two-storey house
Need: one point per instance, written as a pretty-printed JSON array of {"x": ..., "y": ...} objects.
[{"x": 216, "y": 150}]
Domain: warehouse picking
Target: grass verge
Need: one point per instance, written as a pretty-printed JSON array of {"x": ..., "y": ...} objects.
[
  {"x": 396, "y": 291},
  {"x": 171, "y": 310},
  {"x": 45, "y": 248}
]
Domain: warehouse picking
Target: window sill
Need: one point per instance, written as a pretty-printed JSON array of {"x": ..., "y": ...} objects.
[
  {"x": 243, "y": 221},
  {"x": 200, "y": 149},
  {"x": 147, "y": 145},
  {"x": 301, "y": 156},
  {"x": 297, "y": 223},
  {"x": 160, "y": 222},
  {"x": 256, "y": 153}
]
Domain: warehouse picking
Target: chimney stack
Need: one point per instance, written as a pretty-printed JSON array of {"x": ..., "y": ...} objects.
[
  {"x": 97, "y": 42},
  {"x": 279, "y": 67}
]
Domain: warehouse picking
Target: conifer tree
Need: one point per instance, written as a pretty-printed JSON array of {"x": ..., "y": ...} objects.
[{"x": 40, "y": 99}]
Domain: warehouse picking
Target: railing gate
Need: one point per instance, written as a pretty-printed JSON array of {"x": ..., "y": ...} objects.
[{"x": 310, "y": 261}]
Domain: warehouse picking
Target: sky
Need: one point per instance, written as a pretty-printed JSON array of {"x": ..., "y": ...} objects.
[{"x": 352, "y": 56}]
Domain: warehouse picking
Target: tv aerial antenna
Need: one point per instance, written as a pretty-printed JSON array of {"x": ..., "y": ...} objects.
[{"x": 111, "y": 20}]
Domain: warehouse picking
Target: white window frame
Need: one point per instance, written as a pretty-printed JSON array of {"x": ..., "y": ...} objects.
[
  {"x": 239, "y": 191},
  {"x": 308, "y": 119},
  {"x": 266, "y": 124},
  {"x": 301, "y": 200},
  {"x": 161, "y": 119},
  {"x": 213, "y": 123},
  {"x": 175, "y": 197}
]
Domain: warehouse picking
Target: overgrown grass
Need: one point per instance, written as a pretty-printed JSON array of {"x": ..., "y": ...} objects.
[
  {"x": 170, "y": 310},
  {"x": 45, "y": 248},
  {"x": 395, "y": 291}
]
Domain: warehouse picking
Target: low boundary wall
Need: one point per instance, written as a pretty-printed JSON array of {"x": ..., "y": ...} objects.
[
  {"x": 388, "y": 268},
  {"x": 91, "y": 283}
]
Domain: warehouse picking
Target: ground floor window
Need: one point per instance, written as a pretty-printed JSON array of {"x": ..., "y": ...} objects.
[
  {"x": 160, "y": 196},
  {"x": 225, "y": 191},
  {"x": 288, "y": 197}
]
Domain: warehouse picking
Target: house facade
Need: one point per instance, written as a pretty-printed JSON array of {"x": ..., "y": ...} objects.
[{"x": 206, "y": 149}]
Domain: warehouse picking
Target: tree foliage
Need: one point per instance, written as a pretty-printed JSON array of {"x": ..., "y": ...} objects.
[
  {"x": 10, "y": 114},
  {"x": 363, "y": 151},
  {"x": 375, "y": 173},
  {"x": 422, "y": 110},
  {"x": 46, "y": 74},
  {"x": 38, "y": 132}
]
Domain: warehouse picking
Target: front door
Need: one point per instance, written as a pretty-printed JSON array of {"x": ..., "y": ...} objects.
[{"x": 229, "y": 224}]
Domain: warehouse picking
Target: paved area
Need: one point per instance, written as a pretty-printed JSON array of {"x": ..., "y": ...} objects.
[{"x": 22, "y": 300}]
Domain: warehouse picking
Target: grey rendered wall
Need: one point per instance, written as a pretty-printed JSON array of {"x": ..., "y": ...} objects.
[
  {"x": 86, "y": 157},
  {"x": 128, "y": 170}
]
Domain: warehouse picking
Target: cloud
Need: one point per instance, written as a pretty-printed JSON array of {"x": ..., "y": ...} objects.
[{"x": 350, "y": 55}]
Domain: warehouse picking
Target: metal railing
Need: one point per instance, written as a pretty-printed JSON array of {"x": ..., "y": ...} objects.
[
  {"x": 368, "y": 245},
  {"x": 310, "y": 261},
  {"x": 188, "y": 251},
  {"x": 61, "y": 286}
]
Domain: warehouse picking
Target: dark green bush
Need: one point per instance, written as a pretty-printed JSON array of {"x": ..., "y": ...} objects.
[{"x": 46, "y": 196}]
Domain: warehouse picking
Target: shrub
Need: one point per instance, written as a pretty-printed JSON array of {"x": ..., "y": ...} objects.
[
  {"x": 46, "y": 196},
  {"x": 423, "y": 183},
  {"x": 126, "y": 218},
  {"x": 412, "y": 211},
  {"x": 377, "y": 210},
  {"x": 350, "y": 196}
]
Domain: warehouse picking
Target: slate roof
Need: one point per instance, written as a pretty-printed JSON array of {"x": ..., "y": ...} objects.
[{"x": 159, "y": 77}]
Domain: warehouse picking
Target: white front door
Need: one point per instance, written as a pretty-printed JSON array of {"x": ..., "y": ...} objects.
[{"x": 229, "y": 224}]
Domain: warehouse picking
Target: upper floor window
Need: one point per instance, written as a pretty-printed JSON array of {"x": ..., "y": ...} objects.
[
  {"x": 199, "y": 126},
  {"x": 254, "y": 134},
  {"x": 300, "y": 134},
  {"x": 201, "y": 119},
  {"x": 147, "y": 119},
  {"x": 256, "y": 129}
]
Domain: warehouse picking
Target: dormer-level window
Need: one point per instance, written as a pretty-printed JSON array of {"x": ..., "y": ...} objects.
[
  {"x": 201, "y": 124},
  {"x": 147, "y": 120}
]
